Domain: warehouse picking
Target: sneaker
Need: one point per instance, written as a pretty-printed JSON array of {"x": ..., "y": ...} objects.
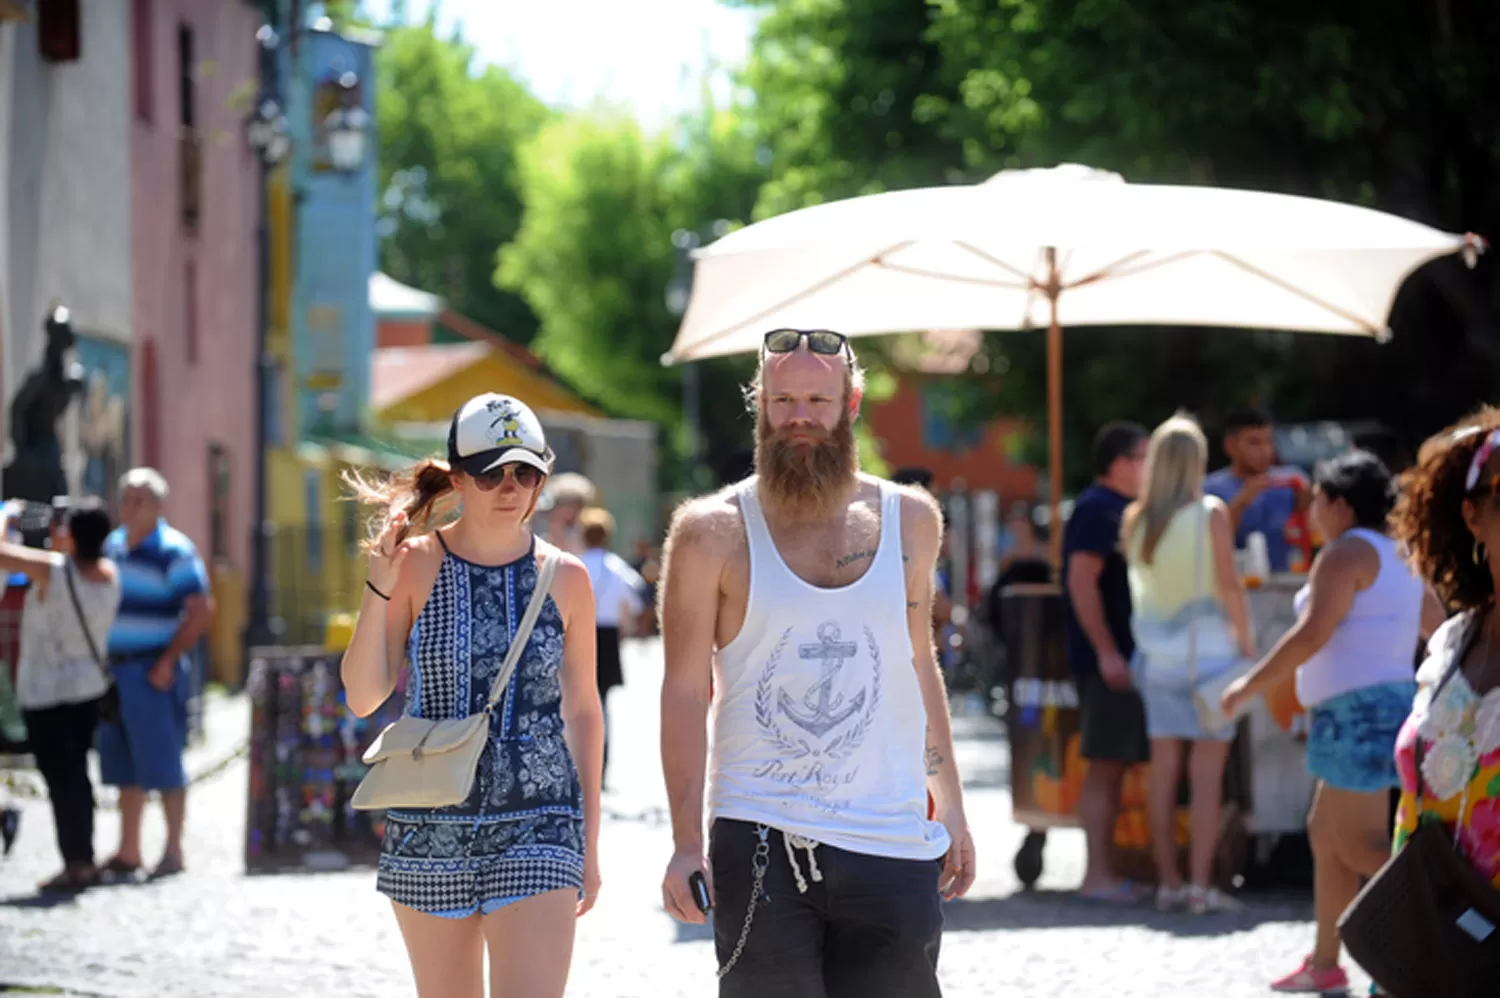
[
  {"x": 1171, "y": 898},
  {"x": 1307, "y": 981},
  {"x": 1211, "y": 900}
]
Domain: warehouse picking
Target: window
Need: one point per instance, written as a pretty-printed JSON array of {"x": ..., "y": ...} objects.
[
  {"x": 58, "y": 35},
  {"x": 187, "y": 111},
  {"x": 275, "y": 403},
  {"x": 150, "y": 406},
  {"x": 144, "y": 63},
  {"x": 190, "y": 311},
  {"x": 312, "y": 483},
  {"x": 218, "y": 500}
]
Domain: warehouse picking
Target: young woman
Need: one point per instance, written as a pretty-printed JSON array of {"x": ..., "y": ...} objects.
[
  {"x": 513, "y": 866},
  {"x": 1448, "y": 519},
  {"x": 1191, "y": 622},
  {"x": 1361, "y": 612},
  {"x": 60, "y": 675}
]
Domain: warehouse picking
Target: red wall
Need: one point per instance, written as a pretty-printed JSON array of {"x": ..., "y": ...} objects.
[
  {"x": 204, "y": 344},
  {"x": 898, "y": 423}
]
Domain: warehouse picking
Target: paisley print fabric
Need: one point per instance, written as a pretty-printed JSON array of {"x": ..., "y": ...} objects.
[{"x": 520, "y": 832}]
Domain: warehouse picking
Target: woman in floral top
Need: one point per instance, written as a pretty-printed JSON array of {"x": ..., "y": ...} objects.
[{"x": 1448, "y": 518}]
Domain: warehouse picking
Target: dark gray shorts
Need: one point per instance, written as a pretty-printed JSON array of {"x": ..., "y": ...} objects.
[
  {"x": 870, "y": 928},
  {"x": 1112, "y": 723}
]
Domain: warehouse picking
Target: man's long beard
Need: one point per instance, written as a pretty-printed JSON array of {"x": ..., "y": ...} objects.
[{"x": 802, "y": 477}]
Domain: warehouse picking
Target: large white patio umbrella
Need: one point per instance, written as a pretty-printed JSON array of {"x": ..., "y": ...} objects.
[{"x": 1066, "y": 246}]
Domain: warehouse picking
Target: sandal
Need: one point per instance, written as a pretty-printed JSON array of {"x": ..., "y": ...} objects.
[
  {"x": 170, "y": 866},
  {"x": 1211, "y": 900},
  {"x": 1171, "y": 898},
  {"x": 118, "y": 870}
]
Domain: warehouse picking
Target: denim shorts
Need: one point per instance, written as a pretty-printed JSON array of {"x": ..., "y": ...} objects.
[{"x": 1351, "y": 740}]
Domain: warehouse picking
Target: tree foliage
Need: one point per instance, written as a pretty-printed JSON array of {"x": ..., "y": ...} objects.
[
  {"x": 594, "y": 256},
  {"x": 449, "y": 140},
  {"x": 1388, "y": 104}
]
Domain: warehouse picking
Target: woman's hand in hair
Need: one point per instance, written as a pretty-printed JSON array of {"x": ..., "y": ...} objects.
[{"x": 388, "y": 552}]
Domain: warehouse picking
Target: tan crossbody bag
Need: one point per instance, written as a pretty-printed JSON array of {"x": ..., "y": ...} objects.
[{"x": 416, "y": 762}]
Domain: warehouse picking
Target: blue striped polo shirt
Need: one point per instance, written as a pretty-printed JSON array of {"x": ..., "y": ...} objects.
[{"x": 156, "y": 579}]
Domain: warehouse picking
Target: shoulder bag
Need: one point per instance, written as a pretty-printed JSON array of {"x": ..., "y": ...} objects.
[
  {"x": 1208, "y": 693},
  {"x": 417, "y": 762},
  {"x": 109, "y": 704},
  {"x": 1428, "y": 923}
]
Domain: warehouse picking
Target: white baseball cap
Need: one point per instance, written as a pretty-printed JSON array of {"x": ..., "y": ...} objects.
[{"x": 491, "y": 430}]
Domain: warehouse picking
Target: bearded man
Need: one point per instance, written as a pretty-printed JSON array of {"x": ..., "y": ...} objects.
[{"x": 799, "y": 603}]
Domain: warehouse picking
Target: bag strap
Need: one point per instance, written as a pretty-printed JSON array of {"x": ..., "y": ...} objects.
[
  {"x": 1197, "y": 595},
  {"x": 545, "y": 571},
  {"x": 83, "y": 624}
]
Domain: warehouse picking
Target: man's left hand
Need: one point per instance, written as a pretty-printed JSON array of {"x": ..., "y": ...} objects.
[
  {"x": 163, "y": 674},
  {"x": 958, "y": 866}
]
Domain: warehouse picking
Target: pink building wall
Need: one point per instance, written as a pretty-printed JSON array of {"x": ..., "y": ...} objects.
[{"x": 195, "y": 287}]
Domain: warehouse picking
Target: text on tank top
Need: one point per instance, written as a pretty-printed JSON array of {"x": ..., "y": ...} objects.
[
  {"x": 818, "y": 725},
  {"x": 1376, "y": 641}
]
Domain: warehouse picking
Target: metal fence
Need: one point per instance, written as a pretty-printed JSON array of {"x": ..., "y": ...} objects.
[{"x": 314, "y": 575}]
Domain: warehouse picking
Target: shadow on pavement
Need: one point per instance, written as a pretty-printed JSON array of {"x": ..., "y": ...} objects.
[
  {"x": 38, "y": 901},
  {"x": 1065, "y": 910}
]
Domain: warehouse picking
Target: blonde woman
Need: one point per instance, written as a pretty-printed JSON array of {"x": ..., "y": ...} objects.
[{"x": 1191, "y": 622}]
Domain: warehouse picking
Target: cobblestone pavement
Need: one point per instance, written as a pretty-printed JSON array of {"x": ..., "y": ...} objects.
[{"x": 216, "y": 931}]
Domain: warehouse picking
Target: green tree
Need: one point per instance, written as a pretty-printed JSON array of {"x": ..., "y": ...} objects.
[
  {"x": 1390, "y": 104},
  {"x": 595, "y": 255},
  {"x": 449, "y": 139}
]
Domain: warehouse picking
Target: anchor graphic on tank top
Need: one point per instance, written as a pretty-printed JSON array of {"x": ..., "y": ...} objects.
[{"x": 825, "y": 710}]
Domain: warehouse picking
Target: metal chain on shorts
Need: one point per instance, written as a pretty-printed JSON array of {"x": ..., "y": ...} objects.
[{"x": 759, "y": 863}]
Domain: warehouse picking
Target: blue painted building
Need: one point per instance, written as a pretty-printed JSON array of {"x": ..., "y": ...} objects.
[{"x": 332, "y": 328}]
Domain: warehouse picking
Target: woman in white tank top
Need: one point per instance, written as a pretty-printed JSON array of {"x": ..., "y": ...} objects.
[{"x": 1353, "y": 651}]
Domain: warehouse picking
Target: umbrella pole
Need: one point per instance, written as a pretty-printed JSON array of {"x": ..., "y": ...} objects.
[{"x": 1054, "y": 413}]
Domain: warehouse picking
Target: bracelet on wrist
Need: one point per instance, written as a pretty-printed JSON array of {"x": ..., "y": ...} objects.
[{"x": 371, "y": 586}]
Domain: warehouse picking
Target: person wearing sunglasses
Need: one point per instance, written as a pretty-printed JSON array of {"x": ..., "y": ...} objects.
[
  {"x": 798, "y": 605},
  {"x": 514, "y": 865}
]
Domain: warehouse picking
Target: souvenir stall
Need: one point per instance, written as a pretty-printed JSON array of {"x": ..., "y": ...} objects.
[{"x": 305, "y": 749}]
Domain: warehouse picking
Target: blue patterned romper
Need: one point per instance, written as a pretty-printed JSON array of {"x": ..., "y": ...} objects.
[{"x": 520, "y": 832}]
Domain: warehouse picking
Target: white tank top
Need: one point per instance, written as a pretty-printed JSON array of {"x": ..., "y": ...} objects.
[
  {"x": 818, "y": 725},
  {"x": 1376, "y": 641}
]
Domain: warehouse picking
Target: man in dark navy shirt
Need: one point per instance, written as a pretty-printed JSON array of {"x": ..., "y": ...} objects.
[{"x": 1099, "y": 646}]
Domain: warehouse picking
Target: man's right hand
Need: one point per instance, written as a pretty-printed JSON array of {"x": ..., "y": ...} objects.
[
  {"x": 1114, "y": 671},
  {"x": 676, "y": 894}
]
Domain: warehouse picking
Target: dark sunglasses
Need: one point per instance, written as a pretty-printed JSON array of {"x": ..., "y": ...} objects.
[
  {"x": 525, "y": 475},
  {"x": 824, "y": 342}
]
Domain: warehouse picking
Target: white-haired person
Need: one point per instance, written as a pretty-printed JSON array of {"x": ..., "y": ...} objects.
[{"x": 165, "y": 609}]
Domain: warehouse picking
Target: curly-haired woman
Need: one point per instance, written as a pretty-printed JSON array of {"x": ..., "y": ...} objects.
[
  {"x": 1448, "y": 518},
  {"x": 513, "y": 865}
]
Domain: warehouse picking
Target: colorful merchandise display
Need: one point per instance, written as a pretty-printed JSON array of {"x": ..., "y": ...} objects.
[{"x": 305, "y": 748}]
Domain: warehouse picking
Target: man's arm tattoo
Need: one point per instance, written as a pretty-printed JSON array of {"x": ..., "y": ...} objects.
[{"x": 935, "y": 760}]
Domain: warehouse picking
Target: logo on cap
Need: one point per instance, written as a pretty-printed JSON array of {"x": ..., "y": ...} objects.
[{"x": 508, "y": 422}]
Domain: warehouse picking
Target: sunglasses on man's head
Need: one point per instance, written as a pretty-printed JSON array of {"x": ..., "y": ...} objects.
[
  {"x": 824, "y": 342},
  {"x": 525, "y": 475}
]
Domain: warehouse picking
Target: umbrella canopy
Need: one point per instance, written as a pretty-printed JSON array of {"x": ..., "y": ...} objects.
[
  {"x": 1065, "y": 246},
  {"x": 992, "y": 255}
]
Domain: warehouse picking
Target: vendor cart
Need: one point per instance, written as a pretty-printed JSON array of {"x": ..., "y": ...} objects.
[{"x": 1267, "y": 789}]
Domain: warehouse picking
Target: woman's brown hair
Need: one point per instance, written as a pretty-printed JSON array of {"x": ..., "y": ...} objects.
[
  {"x": 1428, "y": 519},
  {"x": 424, "y": 493}
]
